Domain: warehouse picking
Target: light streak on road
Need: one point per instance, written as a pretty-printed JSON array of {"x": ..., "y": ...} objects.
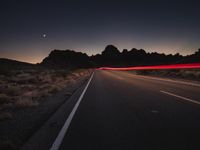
[{"x": 155, "y": 67}]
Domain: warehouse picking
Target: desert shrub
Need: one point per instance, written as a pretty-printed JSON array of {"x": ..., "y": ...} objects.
[
  {"x": 28, "y": 87},
  {"x": 31, "y": 80},
  {"x": 187, "y": 74},
  {"x": 6, "y": 106},
  {"x": 182, "y": 73},
  {"x": 24, "y": 78},
  {"x": 68, "y": 93},
  {"x": 12, "y": 90},
  {"x": 75, "y": 74},
  {"x": 23, "y": 75},
  {"x": 45, "y": 93},
  {"x": 5, "y": 115},
  {"x": 2, "y": 76},
  {"x": 5, "y": 72},
  {"x": 61, "y": 73},
  {"x": 4, "y": 98},
  {"x": 54, "y": 88},
  {"x": 44, "y": 86},
  {"x": 45, "y": 78},
  {"x": 13, "y": 79},
  {"x": 197, "y": 74},
  {"x": 24, "y": 102}
]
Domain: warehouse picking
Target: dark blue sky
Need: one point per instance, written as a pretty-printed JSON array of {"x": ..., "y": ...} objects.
[{"x": 88, "y": 26}]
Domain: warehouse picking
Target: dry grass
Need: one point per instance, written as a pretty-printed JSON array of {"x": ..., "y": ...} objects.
[
  {"x": 12, "y": 90},
  {"x": 179, "y": 73},
  {"x": 26, "y": 102},
  {"x": 4, "y": 98},
  {"x": 5, "y": 115},
  {"x": 68, "y": 93},
  {"x": 54, "y": 88},
  {"x": 25, "y": 88}
]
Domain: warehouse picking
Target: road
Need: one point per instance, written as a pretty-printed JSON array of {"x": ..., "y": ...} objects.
[{"x": 122, "y": 111}]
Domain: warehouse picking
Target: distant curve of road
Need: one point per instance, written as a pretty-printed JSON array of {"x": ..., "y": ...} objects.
[{"x": 121, "y": 111}]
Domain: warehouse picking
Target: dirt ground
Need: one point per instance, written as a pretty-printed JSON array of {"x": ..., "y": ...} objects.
[{"x": 28, "y": 98}]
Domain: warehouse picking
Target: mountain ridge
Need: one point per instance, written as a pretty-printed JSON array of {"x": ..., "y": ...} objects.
[{"x": 110, "y": 57}]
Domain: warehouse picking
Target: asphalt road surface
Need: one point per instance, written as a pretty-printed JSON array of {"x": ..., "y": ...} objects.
[{"x": 122, "y": 111}]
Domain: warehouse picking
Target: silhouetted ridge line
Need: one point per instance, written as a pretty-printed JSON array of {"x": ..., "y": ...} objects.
[
  {"x": 7, "y": 64},
  {"x": 112, "y": 57},
  {"x": 67, "y": 59}
]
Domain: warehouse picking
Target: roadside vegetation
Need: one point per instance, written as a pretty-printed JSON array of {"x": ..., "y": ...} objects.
[
  {"x": 26, "y": 88},
  {"x": 190, "y": 74}
]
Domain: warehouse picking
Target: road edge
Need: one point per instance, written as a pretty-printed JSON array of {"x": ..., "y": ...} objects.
[{"x": 63, "y": 131}]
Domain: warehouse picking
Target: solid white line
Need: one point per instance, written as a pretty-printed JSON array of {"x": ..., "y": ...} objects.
[
  {"x": 65, "y": 127},
  {"x": 181, "y": 97}
]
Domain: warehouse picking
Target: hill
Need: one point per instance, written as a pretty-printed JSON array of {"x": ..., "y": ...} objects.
[
  {"x": 9, "y": 64},
  {"x": 110, "y": 57},
  {"x": 67, "y": 59}
]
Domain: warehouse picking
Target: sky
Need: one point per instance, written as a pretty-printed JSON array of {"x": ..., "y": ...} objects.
[{"x": 30, "y": 29}]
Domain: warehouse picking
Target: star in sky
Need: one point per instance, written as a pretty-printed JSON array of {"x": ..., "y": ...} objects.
[{"x": 44, "y": 35}]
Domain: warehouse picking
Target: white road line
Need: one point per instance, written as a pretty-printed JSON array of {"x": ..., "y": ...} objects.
[
  {"x": 63, "y": 131},
  {"x": 170, "y": 80},
  {"x": 181, "y": 97}
]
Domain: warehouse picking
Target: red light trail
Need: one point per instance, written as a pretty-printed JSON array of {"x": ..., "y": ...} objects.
[{"x": 156, "y": 67}]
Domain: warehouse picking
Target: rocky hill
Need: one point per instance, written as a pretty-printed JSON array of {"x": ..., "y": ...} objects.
[
  {"x": 67, "y": 59},
  {"x": 7, "y": 64},
  {"x": 110, "y": 56}
]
